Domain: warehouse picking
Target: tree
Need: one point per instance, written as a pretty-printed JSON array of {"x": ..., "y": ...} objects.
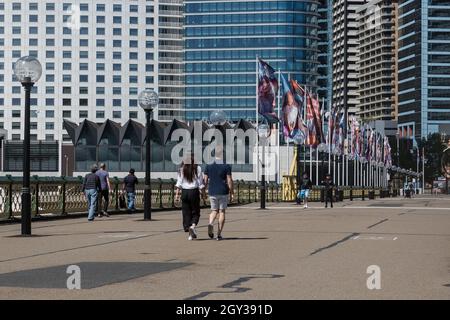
[{"x": 434, "y": 149}]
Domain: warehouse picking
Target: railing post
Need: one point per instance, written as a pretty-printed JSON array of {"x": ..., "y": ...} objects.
[
  {"x": 172, "y": 192},
  {"x": 63, "y": 190},
  {"x": 238, "y": 192},
  {"x": 36, "y": 196},
  {"x": 160, "y": 193},
  {"x": 249, "y": 192},
  {"x": 10, "y": 197},
  {"x": 116, "y": 192},
  {"x": 351, "y": 193},
  {"x": 362, "y": 194}
]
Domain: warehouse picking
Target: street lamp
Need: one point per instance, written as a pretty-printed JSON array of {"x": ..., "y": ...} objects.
[
  {"x": 27, "y": 70},
  {"x": 263, "y": 133},
  {"x": 299, "y": 140},
  {"x": 148, "y": 100}
]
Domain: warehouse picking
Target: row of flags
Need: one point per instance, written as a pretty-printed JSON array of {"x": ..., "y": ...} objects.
[{"x": 302, "y": 119}]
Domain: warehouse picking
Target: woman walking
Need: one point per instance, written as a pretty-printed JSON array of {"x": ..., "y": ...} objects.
[{"x": 189, "y": 185}]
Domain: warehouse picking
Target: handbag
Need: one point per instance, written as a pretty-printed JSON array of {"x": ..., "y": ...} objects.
[{"x": 122, "y": 203}]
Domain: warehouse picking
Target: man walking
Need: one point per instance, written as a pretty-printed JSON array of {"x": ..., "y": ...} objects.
[
  {"x": 328, "y": 186},
  {"x": 129, "y": 186},
  {"x": 220, "y": 188},
  {"x": 91, "y": 185},
  {"x": 105, "y": 186},
  {"x": 304, "y": 189}
]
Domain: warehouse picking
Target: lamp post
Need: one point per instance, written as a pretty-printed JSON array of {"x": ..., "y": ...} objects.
[
  {"x": 27, "y": 70},
  {"x": 263, "y": 133},
  {"x": 148, "y": 100}
]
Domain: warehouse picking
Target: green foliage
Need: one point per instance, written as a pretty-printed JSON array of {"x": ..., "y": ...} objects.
[{"x": 434, "y": 149}]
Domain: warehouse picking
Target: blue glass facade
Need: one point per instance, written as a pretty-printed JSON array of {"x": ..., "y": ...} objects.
[{"x": 223, "y": 40}]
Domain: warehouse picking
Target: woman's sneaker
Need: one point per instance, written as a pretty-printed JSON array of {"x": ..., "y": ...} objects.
[
  {"x": 192, "y": 233},
  {"x": 219, "y": 237},
  {"x": 211, "y": 231}
]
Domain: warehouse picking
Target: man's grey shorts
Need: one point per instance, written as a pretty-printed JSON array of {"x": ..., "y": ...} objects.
[{"x": 219, "y": 202}]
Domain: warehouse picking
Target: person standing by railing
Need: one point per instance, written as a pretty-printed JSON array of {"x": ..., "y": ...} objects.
[
  {"x": 91, "y": 186},
  {"x": 104, "y": 191},
  {"x": 329, "y": 186},
  {"x": 189, "y": 185},
  {"x": 129, "y": 186}
]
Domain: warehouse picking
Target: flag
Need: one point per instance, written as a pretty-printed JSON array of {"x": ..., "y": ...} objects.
[
  {"x": 387, "y": 153},
  {"x": 267, "y": 91},
  {"x": 300, "y": 98},
  {"x": 290, "y": 110},
  {"x": 354, "y": 131},
  {"x": 379, "y": 149}
]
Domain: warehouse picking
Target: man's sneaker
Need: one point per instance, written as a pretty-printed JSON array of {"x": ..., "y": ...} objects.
[
  {"x": 190, "y": 238},
  {"x": 106, "y": 214},
  {"x": 192, "y": 233},
  {"x": 211, "y": 231},
  {"x": 305, "y": 206},
  {"x": 219, "y": 237}
]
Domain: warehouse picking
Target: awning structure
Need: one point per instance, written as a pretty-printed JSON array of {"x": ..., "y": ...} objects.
[{"x": 91, "y": 133}]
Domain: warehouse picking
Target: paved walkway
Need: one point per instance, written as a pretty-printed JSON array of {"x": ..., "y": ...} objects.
[{"x": 285, "y": 252}]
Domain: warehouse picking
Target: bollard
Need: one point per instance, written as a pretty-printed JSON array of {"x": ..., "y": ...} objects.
[
  {"x": 351, "y": 193},
  {"x": 362, "y": 195}
]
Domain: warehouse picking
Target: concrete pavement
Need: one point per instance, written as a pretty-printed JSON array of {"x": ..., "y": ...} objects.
[{"x": 285, "y": 252}]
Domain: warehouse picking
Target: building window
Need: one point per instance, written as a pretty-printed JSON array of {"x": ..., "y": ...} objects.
[
  {"x": 133, "y": 114},
  {"x": 117, "y": 114},
  {"x": 100, "y": 78},
  {"x": 117, "y": 20},
  {"x": 100, "y": 7},
  {"x": 67, "y": 114},
  {"x": 83, "y": 102},
  {"x": 84, "y": 90},
  {"x": 84, "y": 66},
  {"x": 49, "y": 126},
  {"x": 117, "y": 102},
  {"x": 117, "y": 32},
  {"x": 33, "y": 125},
  {"x": 67, "y": 66},
  {"x": 117, "y": 8},
  {"x": 67, "y": 102},
  {"x": 100, "y": 90},
  {"x": 83, "y": 114},
  {"x": 67, "y": 54},
  {"x": 67, "y": 90},
  {"x": 49, "y": 137},
  {"x": 100, "y": 102},
  {"x": 16, "y": 102},
  {"x": 117, "y": 67},
  {"x": 50, "y": 30},
  {"x": 49, "y": 90},
  {"x": 83, "y": 78},
  {"x": 117, "y": 90},
  {"x": 49, "y": 114},
  {"x": 49, "y": 102},
  {"x": 100, "y": 19},
  {"x": 99, "y": 114},
  {"x": 117, "y": 55},
  {"x": 15, "y": 126},
  {"x": 67, "y": 78}
]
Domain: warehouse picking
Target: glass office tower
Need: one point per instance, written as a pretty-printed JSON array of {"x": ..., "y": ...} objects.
[{"x": 223, "y": 41}]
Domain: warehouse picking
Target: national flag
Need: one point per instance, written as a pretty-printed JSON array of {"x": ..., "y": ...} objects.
[{"x": 267, "y": 91}]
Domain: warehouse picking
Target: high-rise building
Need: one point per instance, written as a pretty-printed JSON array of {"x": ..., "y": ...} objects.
[
  {"x": 96, "y": 56},
  {"x": 223, "y": 40},
  {"x": 325, "y": 68},
  {"x": 345, "y": 55},
  {"x": 170, "y": 55},
  {"x": 377, "y": 53},
  {"x": 424, "y": 67}
]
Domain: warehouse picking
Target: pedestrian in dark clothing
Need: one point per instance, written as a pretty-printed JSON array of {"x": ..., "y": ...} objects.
[
  {"x": 129, "y": 186},
  {"x": 91, "y": 186},
  {"x": 328, "y": 186},
  {"x": 104, "y": 191}
]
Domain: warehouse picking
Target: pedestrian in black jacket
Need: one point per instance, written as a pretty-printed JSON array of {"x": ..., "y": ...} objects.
[
  {"x": 328, "y": 186},
  {"x": 91, "y": 186}
]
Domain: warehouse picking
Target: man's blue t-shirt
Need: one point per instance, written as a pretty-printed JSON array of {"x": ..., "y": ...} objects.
[
  {"x": 217, "y": 174},
  {"x": 103, "y": 174}
]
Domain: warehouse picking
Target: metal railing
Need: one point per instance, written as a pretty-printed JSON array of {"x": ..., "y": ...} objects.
[{"x": 63, "y": 196}]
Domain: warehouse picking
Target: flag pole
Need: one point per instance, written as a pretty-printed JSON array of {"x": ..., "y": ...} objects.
[
  {"x": 279, "y": 131},
  {"x": 257, "y": 120}
]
